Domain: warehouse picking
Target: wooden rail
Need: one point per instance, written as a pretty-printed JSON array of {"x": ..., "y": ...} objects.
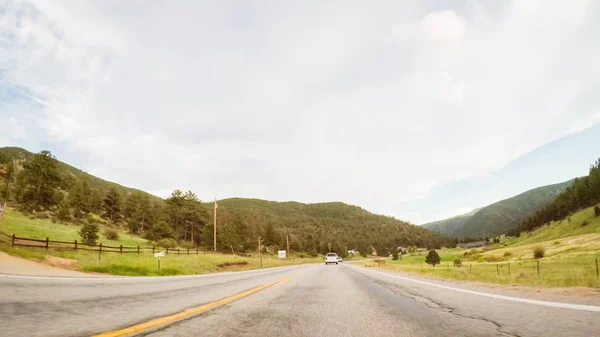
[{"x": 16, "y": 241}]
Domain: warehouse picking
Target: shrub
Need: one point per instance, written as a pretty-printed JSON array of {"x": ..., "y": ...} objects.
[
  {"x": 411, "y": 249},
  {"x": 432, "y": 258},
  {"x": 111, "y": 234},
  {"x": 54, "y": 219},
  {"x": 584, "y": 223},
  {"x": 301, "y": 255},
  {"x": 167, "y": 243},
  {"x": 539, "y": 252},
  {"x": 457, "y": 262},
  {"x": 186, "y": 244},
  {"x": 597, "y": 211},
  {"x": 556, "y": 242},
  {"x": 89, "y": 233},
  {"x": 492, "y": 258},
  {"x": 507, "y": 254},
  {"x": 160, "y": 230},
  {"x": 395, "y": 255},
  {"x": 94, "y": 218}
]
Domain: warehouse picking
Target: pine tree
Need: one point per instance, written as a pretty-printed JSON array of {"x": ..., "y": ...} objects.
[
  {"x": 432, "y": 258},
  {"x": 39, "y": 180},
  {"x": 112, "y": 205}
]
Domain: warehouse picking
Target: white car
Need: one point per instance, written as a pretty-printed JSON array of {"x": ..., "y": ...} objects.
[
  {"x": 339, "y": 259},
  {"x": 331, "y": 258}
]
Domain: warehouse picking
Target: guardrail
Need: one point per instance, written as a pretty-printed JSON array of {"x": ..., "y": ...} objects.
[{"x": 16, "y": 241}]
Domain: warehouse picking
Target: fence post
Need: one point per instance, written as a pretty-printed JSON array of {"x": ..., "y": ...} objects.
[
  {"x": 100, "y": 251},
  {"x": 138, "y": 250},
  {"x": 75, "y": 244},
  {"x": 121, "y": 249},
  {"x": 188, "y": 251},
  {"x": 497, "y": 270},
  {"x": 152, "y": 249},
  {"x": 538, "y": 267},
  {"x": 597, "y": 275},
  {"x": 167, "y": 251},
  {"x": 12, "y": 241},
  {"x": 47, "y": 242},
  {"x": 509, "y": 269}
]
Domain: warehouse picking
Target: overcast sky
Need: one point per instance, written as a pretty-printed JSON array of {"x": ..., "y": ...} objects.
[{"x": 378, "y": 104}]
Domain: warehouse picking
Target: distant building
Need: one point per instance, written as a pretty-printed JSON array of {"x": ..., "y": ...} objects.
[
  {"x": 474, "y": 244},
  {"x": 352, "y": 251}
]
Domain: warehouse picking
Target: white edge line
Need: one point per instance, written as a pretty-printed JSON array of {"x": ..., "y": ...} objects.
[
  {"x": 176, "y": 277},
  {"x": 501, "y": 297}
]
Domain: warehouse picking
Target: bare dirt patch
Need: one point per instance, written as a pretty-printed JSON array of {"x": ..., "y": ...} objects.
[{"x": 60, "y": 262}]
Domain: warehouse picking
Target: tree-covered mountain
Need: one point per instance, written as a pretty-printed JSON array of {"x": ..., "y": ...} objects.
[
  {"x": 447, "y": 226},
  {"x": 583, "y": 192},
  {"x": 315, "y": 227},
  {"x": 500, "y": 217},
  {"x": 42, "y": 184}
]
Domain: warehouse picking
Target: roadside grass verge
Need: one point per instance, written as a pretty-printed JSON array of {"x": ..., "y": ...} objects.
[
  {"x": 124, "y": 264},
  {"x": 569, "y": 262},
  {"x": 147, "y": 264},
  {"x": 553, "y": 273}
]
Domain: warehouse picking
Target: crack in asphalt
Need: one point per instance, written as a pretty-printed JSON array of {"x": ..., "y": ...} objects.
[{"x": 433, "y": 304}]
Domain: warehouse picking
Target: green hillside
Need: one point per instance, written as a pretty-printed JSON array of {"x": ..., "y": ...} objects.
[
  {"x": 42, "y": 185},
  {"x": 447, "y": 226},
  {"x": 500, "y": 217}
]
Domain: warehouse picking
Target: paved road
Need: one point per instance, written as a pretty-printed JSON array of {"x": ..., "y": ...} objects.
[{"x": 318, "y": 300}]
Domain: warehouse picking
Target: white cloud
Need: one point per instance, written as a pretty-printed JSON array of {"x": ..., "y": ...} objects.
[{"x": 296, "y": 102}]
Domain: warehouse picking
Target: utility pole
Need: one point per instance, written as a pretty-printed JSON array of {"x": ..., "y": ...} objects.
[
  {"x": 287, "y": 239},
  {"x": 259, "y": 252},
  {"x": 215, "y": 227},
  {"x": 329, "y": 249}
]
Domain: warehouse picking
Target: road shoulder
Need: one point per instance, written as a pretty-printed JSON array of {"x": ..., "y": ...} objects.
[{"x": 575, "y": 295}]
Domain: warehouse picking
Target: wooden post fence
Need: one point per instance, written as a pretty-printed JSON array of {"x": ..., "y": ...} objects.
[
  {"x": 167, "y": 251},
  {"x": 497, "y": 270},
  {"x": 138, "y": 250},
  {"x": 538, "y": 267},
  {"x": 120, "y": 249},
  {"x": 509, "y": 269},
  {"x": 597, "y": 274},
  {"x": 188, "y": 251},
  {"x": 152, "y": 249},
  {"x": 47, "y": 242},
  {"x": 12, "y": 242},
  {"x": 100, "y": 251},
  {"x": 75, "y": 245}
]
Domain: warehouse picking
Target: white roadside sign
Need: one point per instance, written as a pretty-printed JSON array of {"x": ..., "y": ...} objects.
[
  {"x": 281, "y": 254},
  {"x": 159, "y": 254}
]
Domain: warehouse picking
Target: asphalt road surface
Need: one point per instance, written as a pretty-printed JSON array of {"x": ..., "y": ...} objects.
[{"x": 308, "y": 300}]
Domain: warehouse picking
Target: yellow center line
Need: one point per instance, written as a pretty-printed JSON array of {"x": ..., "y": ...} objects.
[{"x": 197, "y": 310}]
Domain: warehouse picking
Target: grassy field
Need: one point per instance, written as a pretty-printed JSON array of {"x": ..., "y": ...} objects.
[
  {"x": 23, "y": 226},
  {"x": 571, "y": 248},
  {"x": 123, "y": 264}
]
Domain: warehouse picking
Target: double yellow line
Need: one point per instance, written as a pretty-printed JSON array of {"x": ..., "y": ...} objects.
[{"x": 187, "y": 313}]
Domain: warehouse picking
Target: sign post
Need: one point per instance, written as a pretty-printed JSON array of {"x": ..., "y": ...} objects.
[
  {"x": 158, "y": 256},
  {"x": 282, "y": 254}
]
